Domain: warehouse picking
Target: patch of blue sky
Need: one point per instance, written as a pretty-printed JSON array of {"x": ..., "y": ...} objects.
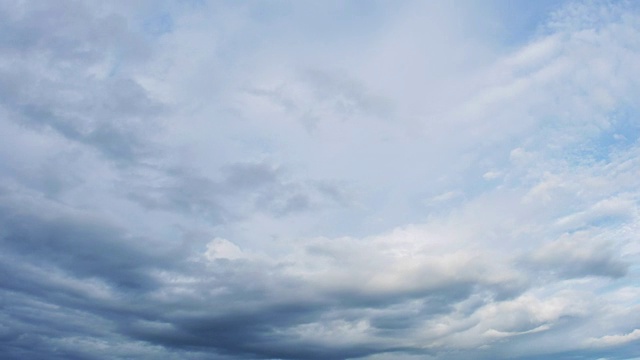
[
  {"x": 193, "y": 3},
  {"x": 158, "y": 24},
  {"x": 157, "y": 18},
  {"x": 623, "y": 133},
  {"x": 607, "y": 220},
  {"x": 321, "y": 21},
  {"x": 626, "y": 126},
  {"x": 523, "y": 19},
  {"x": 583, "y": 143}
]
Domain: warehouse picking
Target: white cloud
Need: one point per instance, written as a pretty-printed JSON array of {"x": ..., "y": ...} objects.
[
  {"x": 223, "y": 249},
  {"x": 613, "y": 340}
]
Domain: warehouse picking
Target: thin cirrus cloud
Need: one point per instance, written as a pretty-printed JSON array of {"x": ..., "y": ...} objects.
[{"x": 331, "y": 180}]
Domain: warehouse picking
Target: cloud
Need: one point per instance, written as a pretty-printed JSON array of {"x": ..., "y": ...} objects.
[
  {"x": 192, "y": 180},
  {"x": 84, "y": 246},
  {"x": 579, "y": 255},
  {"x": 612, "y": 340},
  {"x": 61, "y": 72},
  {"x": 238, "y": 190},
  {"x": 223, "y": 249}
]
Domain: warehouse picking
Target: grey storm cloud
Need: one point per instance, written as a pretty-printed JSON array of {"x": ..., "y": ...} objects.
[{"x": 81, "y": 268}]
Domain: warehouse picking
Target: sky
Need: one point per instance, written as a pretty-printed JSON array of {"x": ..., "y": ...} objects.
[{"x": 319, "y": 180}]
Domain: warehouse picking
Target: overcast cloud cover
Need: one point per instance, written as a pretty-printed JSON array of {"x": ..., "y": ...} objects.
[{"x": 319, "y": 180}]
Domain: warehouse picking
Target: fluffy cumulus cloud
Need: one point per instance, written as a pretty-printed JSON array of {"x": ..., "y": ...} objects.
[{"x": 319, "y": 180}]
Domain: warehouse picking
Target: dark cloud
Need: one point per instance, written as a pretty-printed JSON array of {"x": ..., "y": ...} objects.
[
  {"x": 49, "y": 77},
  {"x": 179, "y": 190},
  {"x": 239, "y": 189},
  {"x": 83, "y": 279},
  {"x": 79, "y": 285},
  {"x": 578, "y": 255},
  {"x": 79, "y": 245}
]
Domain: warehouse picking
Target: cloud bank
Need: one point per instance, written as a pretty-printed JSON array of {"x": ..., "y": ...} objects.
[{"x": 331, "y": 180}]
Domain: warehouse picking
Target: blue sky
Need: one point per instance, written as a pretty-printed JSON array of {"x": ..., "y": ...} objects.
[{"x": 319, "y": 180}]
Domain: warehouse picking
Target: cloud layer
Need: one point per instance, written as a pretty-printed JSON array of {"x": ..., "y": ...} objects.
[{"x": 338, "y": 180}]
